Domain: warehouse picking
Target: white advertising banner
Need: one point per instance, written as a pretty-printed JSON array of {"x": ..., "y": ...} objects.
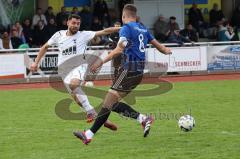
[
  {"x": 224, "y": 58},
  {"x": 182, "y": 59},
  {"x": 12, "y": 66}
]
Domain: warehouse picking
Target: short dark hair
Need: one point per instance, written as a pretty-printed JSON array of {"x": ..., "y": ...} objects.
[
  {"x": 130, "y": 9},
  {"x": 117, "y": 23},
  {"x": 74, "y": 16},
  {"x": 173, "y": 18}
]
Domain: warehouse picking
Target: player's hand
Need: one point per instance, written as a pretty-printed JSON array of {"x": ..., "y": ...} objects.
[
  {"x": 95, "y": 66},
  {"x": 167, "y": 51},
  {"x": 34, "y": 67}
]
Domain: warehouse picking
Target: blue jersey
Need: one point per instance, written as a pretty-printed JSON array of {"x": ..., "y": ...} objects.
[{"x": 136, "y": 37}]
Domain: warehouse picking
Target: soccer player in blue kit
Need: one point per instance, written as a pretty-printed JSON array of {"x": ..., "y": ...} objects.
[{"x": 133, "y": 40}]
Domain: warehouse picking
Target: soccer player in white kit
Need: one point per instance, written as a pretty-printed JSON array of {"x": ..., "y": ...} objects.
[{"x": 70, "y": 43}]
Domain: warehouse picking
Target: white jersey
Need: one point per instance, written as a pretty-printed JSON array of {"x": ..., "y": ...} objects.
[{"x": 70, "y": 46}]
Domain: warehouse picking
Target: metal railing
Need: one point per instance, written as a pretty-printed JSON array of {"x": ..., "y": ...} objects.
[{"x": 106, "y": 47}]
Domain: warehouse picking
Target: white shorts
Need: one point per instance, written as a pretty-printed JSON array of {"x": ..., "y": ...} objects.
[{"x": 77, "y": 73}]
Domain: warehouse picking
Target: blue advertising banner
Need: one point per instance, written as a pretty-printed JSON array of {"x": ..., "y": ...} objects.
[
  {"x": 224, "y": 58},
  {"x": 196, "y": 1},
  {"x": 76, "y": 3}
]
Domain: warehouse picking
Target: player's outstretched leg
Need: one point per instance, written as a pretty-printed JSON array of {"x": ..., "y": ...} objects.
[
  {"x": 128, "y": 111},
  {"x": 111, "y": 98},
  {"x": 82, "y": 100}
]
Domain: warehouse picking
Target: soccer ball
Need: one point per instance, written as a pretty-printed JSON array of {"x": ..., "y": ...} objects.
[
  {"x": 186, "y": 123},
  {"x": 89, "y": 84}
]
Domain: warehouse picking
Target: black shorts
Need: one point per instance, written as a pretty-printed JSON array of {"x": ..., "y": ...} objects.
[{"x": 126, "y": 80}]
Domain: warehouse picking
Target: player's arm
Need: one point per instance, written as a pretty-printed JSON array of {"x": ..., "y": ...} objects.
[
  {"x": 41, "y": 53},
  {"x": 118, "y": 50},
  {"x": 107, "y": 31},
  {"x": 51, "y": 42},
  {"x": 115, "y": 52},
  {"x": 163, "y": 49}
]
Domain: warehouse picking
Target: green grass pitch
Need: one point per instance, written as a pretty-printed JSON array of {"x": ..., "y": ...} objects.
[{"x": 30, "y": 129}]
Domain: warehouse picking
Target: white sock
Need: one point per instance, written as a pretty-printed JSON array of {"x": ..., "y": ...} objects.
[
  {"x": 83, "y": 99},
  {"x": 89, "y": 134},
  {"x": 141, "y": 118}
]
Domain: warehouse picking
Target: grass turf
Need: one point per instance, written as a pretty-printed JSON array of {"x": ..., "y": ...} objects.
[{"x": 29, "y": 127}]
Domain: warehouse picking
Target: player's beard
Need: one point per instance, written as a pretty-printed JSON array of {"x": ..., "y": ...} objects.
[{"x": 73, "y": 30}]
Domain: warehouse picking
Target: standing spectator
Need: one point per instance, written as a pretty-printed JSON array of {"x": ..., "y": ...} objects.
[
  {"x": 75, "y": 11},
  {"x": 49, "y": 14},
  {"x": 160, "y": 28},
  {"x": 51, "y": 28},
  {"x": 38, "y": 16},
  {"x": 195, "y": 17},
  {"x": 236, "y": 17},
  {"x": 28, "y": 32},
  {"x": 15, "y": 39},
  {"x": 101, "y": 11},
  {"x": 189, "y": 33},
  {"x": 40, "y": 34},
  {"x": 86, "y": 18},
  {"x": 63, "y": 15},
  {"x": 6, "y": 41},
  {"x": 215, "y": 15},
  {"x": 226, "y": 32}
]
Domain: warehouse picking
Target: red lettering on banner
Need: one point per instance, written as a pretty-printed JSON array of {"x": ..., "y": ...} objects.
[{"x": 187, "y": 63}]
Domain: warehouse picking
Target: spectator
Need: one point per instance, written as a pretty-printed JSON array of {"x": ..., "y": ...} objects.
[
  {"x": 236, "y": 17},
  {"x": 63, "y": 15},
  {"x": 51, "y": 28},
  {"x": 101, "y": 11},
  {"x": 195, "y": 17},
  {"x": 215, "y": 15},
  {"x": 96, "y": 24},
  {"x": 86, "y": 18},
  {"x": 49, "y": 14},
  {"x": 75, "y": 11},
  {"x": 15, "y": 39},
  {"x": 226, "y": 32},
  {"x": 116, "y": 61},
  {"x": 6, "y": 41},
  {"x": 18, "y": 27},
  {"x": 189, "y": 33},
  {"x": 28, "y": 32},
  {"x": 176, "y": 37},
  {"x": 37, "y": 17},
  {"x": 40, "y": 34},
  {"x": 160, "y": 28},
  {"x": 114, "y": 37},
  {"x": 173, "y": 25},
  {"x": 63, "y": 25}
]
